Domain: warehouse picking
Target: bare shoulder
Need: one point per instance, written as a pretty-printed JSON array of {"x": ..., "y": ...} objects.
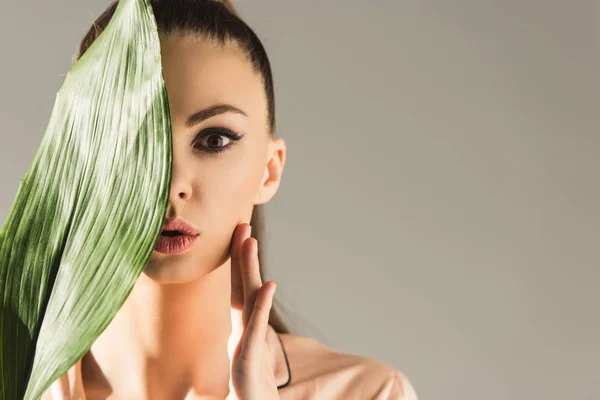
[{"x": 319, "y": 371}]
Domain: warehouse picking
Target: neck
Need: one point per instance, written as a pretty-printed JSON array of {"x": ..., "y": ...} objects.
[{"x": 166, "y": 341}]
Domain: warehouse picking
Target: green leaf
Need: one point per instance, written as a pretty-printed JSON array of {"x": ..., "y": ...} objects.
[{"x": 90, "y": 208}]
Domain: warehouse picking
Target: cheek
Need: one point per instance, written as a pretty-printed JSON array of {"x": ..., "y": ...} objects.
[
  {"x": 229, "y": 189},
  {"x": 233, "y": 187}
]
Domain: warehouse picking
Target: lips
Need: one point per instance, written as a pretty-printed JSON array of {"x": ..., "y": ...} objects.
[
  {"x": 171, "y": 233},
  {"x": 176, "y": 236},
  {"x": 175, "y": 244},
  {"x": 177, "y": 226}
]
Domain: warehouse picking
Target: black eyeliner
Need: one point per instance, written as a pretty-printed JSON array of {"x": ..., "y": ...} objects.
[{"x": 217, "y": 131}]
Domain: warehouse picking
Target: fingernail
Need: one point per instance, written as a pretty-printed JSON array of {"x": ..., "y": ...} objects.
[{"x": 250, "y": 231}]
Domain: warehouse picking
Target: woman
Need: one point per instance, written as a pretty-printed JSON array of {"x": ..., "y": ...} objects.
[{"x": 175, "y": 334}]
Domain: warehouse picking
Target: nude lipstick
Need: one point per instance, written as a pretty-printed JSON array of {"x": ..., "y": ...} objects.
[{"x": 176, "y": 236}]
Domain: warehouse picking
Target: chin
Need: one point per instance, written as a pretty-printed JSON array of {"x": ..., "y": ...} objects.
[{"x": 183, "y": 267}]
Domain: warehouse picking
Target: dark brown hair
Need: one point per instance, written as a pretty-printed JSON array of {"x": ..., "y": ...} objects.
[{"x": 211, "y": 20}]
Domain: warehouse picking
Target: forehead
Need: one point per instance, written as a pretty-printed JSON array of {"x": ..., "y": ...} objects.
[{"x": 199, "y": 74}]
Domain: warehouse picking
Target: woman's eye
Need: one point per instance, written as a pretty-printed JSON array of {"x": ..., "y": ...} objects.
[{"x": 215, "y": 140}]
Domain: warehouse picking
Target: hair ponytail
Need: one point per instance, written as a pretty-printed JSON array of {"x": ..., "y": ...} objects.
[{"x": 229, "y": 6}]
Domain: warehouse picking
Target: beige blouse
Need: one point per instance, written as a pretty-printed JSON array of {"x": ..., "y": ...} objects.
[{"x": 305, "y": 369}]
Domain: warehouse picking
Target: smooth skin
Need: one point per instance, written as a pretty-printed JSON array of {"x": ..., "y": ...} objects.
[
  {"x": 194, "y": 325},
  {"x": 252, "y": 370},
  {"x": 251, "y": 366}
]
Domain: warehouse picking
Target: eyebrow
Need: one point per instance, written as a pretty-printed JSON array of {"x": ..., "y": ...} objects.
[{"x": 211, "y": 111}]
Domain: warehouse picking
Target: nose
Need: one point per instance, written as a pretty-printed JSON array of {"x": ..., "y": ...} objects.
[
  {"x": 181, "y": 184},
  {"x": 180, "y": 191},
  {"x": 184, "y": 195}
]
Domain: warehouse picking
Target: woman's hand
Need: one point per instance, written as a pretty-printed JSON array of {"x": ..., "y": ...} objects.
[{"x": 252, "y": 375}]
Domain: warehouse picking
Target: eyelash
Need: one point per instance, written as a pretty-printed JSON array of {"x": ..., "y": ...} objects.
[{"x": 216, "y": 132}]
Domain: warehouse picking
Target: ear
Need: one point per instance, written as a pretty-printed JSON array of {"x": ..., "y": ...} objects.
[{"x": 273, "y": 171}]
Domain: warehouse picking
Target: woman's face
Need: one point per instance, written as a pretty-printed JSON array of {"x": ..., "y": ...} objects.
[{"x": 215, "y": 190}]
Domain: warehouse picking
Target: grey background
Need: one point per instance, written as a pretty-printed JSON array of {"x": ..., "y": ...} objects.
[{"x": 440, "y": 204}]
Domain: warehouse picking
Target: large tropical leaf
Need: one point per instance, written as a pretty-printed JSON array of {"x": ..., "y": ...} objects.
[{"x": 90, "y": 207}]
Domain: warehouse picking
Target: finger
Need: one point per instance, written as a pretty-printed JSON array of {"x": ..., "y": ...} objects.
[
  {"x": 251, "y": 278},
  {"x": 241, "y": 232},
  {"x": 256, "y": 332}
]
